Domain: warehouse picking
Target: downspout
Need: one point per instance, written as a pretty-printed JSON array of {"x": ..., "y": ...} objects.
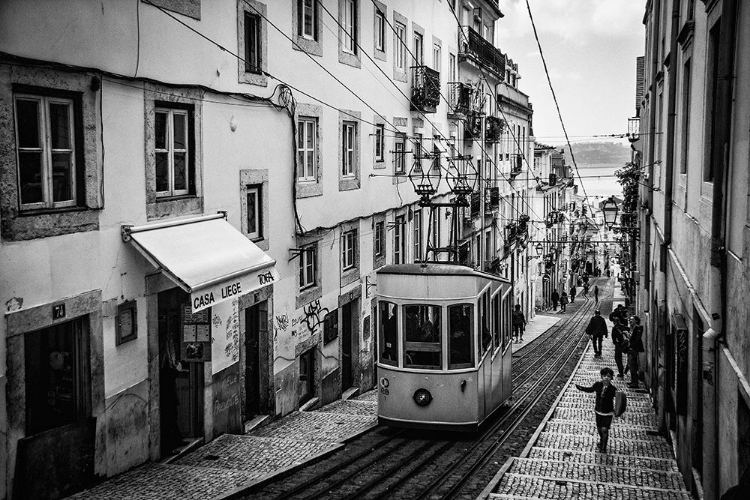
[
  {"x": 718, "y": 268},
  {"x": 671, "y": 114}
]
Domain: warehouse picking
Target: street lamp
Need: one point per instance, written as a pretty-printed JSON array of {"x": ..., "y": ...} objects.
[
  {"x": 425, "y": 180},
  {"x": 634, "y": 129},
  {"x": 610, "y": 210},
  {"x": 539, "y": 249},
  {"x": 461, "y": 177}
]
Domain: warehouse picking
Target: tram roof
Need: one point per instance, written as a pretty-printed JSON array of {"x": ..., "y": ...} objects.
[{"x": 436, "y": 269}]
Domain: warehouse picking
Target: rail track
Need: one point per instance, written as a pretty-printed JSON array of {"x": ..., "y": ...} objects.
[{"x": 412, "y": 464}]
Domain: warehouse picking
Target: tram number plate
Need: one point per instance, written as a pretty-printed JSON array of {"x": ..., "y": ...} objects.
[
  {"x": 384, "y": 390},
  {"x": 384, "y": 383}
]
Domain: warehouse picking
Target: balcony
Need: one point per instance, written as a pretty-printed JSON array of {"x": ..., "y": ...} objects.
[
  {"x": 459, "y": 95},
  {"x": 482, "y": 52},
  {"x": 425, "y": 91}
]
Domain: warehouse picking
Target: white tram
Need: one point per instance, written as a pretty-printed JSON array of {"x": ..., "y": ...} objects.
[{"x": 444, "y": 345}]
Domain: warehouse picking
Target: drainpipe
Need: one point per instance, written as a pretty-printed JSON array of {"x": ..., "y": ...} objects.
[
  {"x": 718, "y": 269},
  {"x": 671, "y": 118}
]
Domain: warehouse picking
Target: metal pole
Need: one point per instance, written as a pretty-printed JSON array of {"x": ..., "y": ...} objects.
[{"x": 482, "y": 191}]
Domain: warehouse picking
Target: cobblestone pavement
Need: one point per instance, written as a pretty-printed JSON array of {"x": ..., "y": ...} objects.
[
  {"x": 562, "y": 458},
  {"x": 232, "y": 463}
]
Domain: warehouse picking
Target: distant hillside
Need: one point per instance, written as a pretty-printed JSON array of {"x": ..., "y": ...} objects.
[{"x": 598, "y": 154}]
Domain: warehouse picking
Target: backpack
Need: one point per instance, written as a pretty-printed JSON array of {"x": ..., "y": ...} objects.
[{"x": 621, "y": 402}]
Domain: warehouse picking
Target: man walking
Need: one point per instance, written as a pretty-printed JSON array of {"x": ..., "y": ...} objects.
[
  {"x": 519, "y": 323},
  {"x": 619, "y": 334},
  {"x": 636, "y": 347},
  {"x": 555, "y": 299},
  {"x": 572, "y": 294},
  {"x": 597, "y": 330},
  {"x": 596, "y": 294}
]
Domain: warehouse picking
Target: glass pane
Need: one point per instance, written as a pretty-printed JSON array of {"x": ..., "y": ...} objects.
[
  {"x": 162, "y": 172},
  {"x": 252, "y": 223},
  {"x": 62, "y": 177},
  {"x": 30, "y": 173},
  {"x": 309, "y": 17},
  {"x": 310, "y": 165},
  {"x": 160, "y": 130},
  {"x": 310, "y": 135},
  {"x": 180, "y": 137},
  {"x": 422, "y": 343},
  {"x": 388, "y": 333},
  {"x": 27, "y": 113},
  {"x": 460, "y": 335},
  {"x": 180, "y": 171},
  {"x": 59, "y": 125},
  {"x": 300, "y": 135},
  {"x": 301, "y": 162}
]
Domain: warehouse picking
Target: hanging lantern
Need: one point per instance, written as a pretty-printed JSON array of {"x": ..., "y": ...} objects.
[
  {"x": 610, "y": 210},
  {"x": 425, "y": 178},
  {"x": 461, "y": 178}
]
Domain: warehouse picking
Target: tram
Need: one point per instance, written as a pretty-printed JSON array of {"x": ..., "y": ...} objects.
[{"x": 443, "y": 344}]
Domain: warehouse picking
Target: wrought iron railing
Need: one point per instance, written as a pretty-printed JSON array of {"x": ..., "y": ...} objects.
[
  {"x": 482, "y": 50},
  {"x": 459, "y": 95},
  {"x": 425, "y": 92}
]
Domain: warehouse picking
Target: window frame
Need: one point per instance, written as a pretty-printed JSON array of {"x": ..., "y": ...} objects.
[
  {"x": 349, "y": 27},
  {"x": 379, "y": 143},
  {"x": 257, "y": 191},
  {"x": 379, "y": 240},
  {"x": 399, "y": 46},
  {"x": 46, "y": 151},
  {"x": 257, "y": 53},
  {"x": 308, "y": 264},
  {"x": 349, "y": 250},
  {"x": 399, "y": 156},
  {"x": 418, "y": 48},
  {"x": 307, "y": 173},
  {"x": 171, "y": 150},
  {"x": 417, "y": 235},
  {"x": 301, "y": 24},
  {"x": 399, "y": 240},
  {"x": 258, "y": 11},
  {"x": 348, "y": 149},
  {"x": 379, "y": 29}
]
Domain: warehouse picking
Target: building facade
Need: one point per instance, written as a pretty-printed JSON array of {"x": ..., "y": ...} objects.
[{"x": 692, "y": 251}]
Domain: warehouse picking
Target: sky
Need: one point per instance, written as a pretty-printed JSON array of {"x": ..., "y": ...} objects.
[{"x": 590, "y": 47}]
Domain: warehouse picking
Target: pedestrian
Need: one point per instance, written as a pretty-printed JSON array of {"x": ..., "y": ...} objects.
[
  {"x": 616, "y": 314},
  {"x": 563, "y": 301},
  {"x": 519, "y": 323},
  {"x": 586, "y": 289},
  {"x": 572, "y": 294},
  {"x": 619, "y": 337},
  {"x": 636, "y": 347},
  {"x": 555, "y": 299},
  {"x": 597, "y": 330},
  {"x": 596, "y": 294},
  {"x": 604, "y": 405}
]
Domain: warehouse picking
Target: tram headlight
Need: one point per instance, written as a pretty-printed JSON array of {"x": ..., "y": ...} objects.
[{"x": 422, "y": 397}]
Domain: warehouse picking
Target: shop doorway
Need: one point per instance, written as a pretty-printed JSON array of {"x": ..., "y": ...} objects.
[
  {"x": 180, "y": 382},
  {"x": 348, "y": 347},
  {"x": 256, "y": 335}
]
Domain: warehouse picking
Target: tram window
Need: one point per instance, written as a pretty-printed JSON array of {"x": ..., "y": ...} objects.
[
  {"x": 388, "y": 334},
  {"x": 460, "y": 338},
  {"x": 485, "y": 321},
  {"x": 496, "y": 321},
  {"x": 507, "y": 327},
  {"x": 422, "y": 346}
]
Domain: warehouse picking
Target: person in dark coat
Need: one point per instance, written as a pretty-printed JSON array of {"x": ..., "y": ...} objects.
[
  {"x": 555, "y": 299},
  {"x": 519, "y": 323},
  {"x": 619, "y": 334},
  {"x": 636, "y": 347},
  {"x": 572, "y": 294},
  {"x": 604, "y": 405},
  {"x": 597, "y": 330},
  {"x": 563, "y": 302},
  {"x": 596, "y": 294}
]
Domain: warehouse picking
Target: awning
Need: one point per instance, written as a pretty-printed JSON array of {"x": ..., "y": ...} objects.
[{"x": 206, "y": 256}]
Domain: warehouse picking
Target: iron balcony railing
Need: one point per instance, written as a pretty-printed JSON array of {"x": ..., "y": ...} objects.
[
  {"x": 425, "y": 92},
  {"x": 459, "y": 95},
  {"x": 482, "y": 51}
]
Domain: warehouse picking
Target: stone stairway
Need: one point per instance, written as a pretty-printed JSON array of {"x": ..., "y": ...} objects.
[{"x": 562, "y": 461}]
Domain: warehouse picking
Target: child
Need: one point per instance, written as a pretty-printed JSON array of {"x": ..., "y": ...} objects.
[{"x": 604, "y": 406}]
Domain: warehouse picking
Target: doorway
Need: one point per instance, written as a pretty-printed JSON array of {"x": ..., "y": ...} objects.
[
  {"x": 180, "y": 383},
  {"x": 256, "y": 333},
  {"x": 349, "y": 344}
]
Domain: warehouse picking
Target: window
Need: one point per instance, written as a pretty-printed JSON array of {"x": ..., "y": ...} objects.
[
  {"x": 348, "y": 250},
  {"x": 418, "y": 153},
  {"x": 452, "y": 63},
  {"x": 308, "y": 266},
  {"x": 307, "y": 13},
  {"x": 379, "y": 142},
  {"x": 379, "y": 246},
  {"x": 399, "y": 154},
  {"x": 685, "y": 117},
  {"x": 422, "y": 339},
  {"x": 435, "y": 228},
  {"x": 348, "y": 141},
  {"x": 254, "y": 212},
  {"x": 307, "y": 131},
  {"x": 379, "y": 31},
  {"x": 252, "y": 43},
  {"x": 57, "y": 376},
  {"x": 417, "y": 236},
  {"x": 399, "y": 242},
  {"x": 418, "y": 51},
  {"x": 172, "y": 154},
  {"x": 388, "y": 333},
  {"x": 399, "y": 44},
  {"x": 436, "y": 57},
  {"x": 46, "y": 141},
  {"x": 350, "y": 26},
  {"x": 460, "y": 338}
]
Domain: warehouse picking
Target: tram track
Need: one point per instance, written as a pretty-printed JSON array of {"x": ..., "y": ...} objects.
[{"x": 420, "y": 465}]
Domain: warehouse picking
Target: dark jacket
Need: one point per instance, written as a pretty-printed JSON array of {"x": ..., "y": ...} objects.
[
  {"x": 597, "y": 327},
  {"x": 605, "y": 399},
  {"x": 636, "y": 339},
  {"x": 618, "y": 334},
  {"x": 518, "y": 318},
  {"x": 555, "y": 296}
]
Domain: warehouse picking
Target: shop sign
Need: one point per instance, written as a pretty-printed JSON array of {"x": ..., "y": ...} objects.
[{"x": 226, "y": 290}]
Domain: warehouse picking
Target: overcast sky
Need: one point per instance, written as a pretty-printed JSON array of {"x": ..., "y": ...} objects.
[{"x": 590, "y": 47}]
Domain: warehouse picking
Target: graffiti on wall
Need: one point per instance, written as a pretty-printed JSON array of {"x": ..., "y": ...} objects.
[
  {"x": 314, "y": 315},
  {"x": 232, "y": 347}
]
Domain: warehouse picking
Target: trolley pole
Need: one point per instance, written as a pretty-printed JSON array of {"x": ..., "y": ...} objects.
[{"x": 482, "y": 191}]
